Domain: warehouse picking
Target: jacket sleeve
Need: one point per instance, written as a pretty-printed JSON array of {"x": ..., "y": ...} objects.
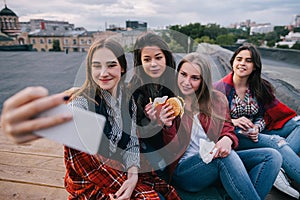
[
  {"x": 177, "y": 137},
  {"x": 277, "y": 114}
]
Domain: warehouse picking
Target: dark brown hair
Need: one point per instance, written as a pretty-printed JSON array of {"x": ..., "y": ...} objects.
[{"x": 261, "y": 88}]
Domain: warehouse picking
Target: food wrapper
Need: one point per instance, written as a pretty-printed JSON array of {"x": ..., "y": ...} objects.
[{"x": 207, "y": 150}]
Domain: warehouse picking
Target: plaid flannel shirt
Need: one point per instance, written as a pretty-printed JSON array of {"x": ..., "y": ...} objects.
[
  {"x": 247, "y": 107},
  {"x": 94, "y": 177}
]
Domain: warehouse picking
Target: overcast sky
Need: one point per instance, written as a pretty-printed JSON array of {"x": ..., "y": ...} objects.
[{"x": 95, "y": 14}]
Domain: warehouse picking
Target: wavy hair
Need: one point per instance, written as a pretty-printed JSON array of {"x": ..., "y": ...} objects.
[
  {"x": 90, "y": 88},
  {"x": 261, "y": 88}
]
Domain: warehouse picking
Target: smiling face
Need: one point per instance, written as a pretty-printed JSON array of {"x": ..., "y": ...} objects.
[
  {"x": 106, "y": 70},
  {"x": 189, "y": 78},
  {"x": 243, "y": 64},
  {"x": 153, "y": 61}
]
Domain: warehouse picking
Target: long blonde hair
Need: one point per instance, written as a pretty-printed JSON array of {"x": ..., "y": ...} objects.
[
  {"x": 205, "y": 93},
  {"x": 90, "y": 88}
]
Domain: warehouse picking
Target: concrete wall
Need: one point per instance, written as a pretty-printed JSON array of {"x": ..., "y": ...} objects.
[{"x": 285, "y": 55}]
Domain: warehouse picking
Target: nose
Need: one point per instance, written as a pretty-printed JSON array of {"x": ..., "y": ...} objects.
[
  {"x": 153, "y": 63},
  {"x": 186, "y": 82},
  {"x": 103, "y": 71},
  {"x": 242, "y": 62}
]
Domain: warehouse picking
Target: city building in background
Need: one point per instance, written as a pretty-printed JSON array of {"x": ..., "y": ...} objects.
[
  {"x": 297, "y": 21},
  {"x": 9, "y": 22},
  {"x": 136, "y": 25},
  {"x": 43, "y": 35}
]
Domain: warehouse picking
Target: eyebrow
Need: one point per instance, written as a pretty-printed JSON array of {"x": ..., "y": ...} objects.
[
  {"x": 111, "y": 62},
  {"x": 154, "y": 55},
  {"x": 108, "y": 62},
  {"x": 195, "y": 75}
]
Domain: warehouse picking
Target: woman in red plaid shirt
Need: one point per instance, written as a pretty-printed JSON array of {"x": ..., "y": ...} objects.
[{"x": 114, "y": 173}]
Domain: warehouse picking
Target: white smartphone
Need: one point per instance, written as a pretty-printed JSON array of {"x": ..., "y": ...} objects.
[{"x": 84, "y": 132}]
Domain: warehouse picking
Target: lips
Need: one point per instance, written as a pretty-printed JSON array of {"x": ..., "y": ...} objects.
[
  {"x": 186, "y": 88},
  {"x": 105, "y": 80},
  {"x": 155, "y": 71},
  {"x": 242, "y": 68}
]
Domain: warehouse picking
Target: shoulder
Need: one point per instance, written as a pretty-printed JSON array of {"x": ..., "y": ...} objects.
[
  {"x": 219, "y": 99},
  {"x": 224, "y": 83},
  {"x": 219, "y": 96}
]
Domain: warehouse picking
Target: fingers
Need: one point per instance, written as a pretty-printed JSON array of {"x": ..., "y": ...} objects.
[
  {"x": 166, "y": 115},
  {"x": 222, "y": 153},
  {"x": 18, "y": 113},
  {"x": 33, "y": 108},
  {"x": 122, "y": 193},
  {"x": 19, "y": 130},
  {"x": 150, "y": 111},
  {"x": 26, "y": 95},
  {"x": 244, "y": 124},
  {"x": 253, "y": 136},
  {"x": 224, "y": 147}
]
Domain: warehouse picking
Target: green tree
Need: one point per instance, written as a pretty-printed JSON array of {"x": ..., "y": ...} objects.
[
  {"x": 281, "y": 31},
  {"x": 204, "y": 39},
  {"x": 296, "y": 46},
  {"x": 214, "y": 30},
  {"x": 228, "y": 39},
  {"x": 296, "y": 29},
  {"x": 176, "y": 47}
]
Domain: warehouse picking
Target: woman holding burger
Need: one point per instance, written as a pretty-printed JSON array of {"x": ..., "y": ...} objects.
[
  {"x": 203, "y": 140},
  {"x": 154, "y": 77}
]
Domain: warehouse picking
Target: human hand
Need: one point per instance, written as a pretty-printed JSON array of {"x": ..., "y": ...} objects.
[
  {"x": 150, "y": 111},
  {"x": 224, "y": 147},
  {"x": 253, "y": 133},
  {"x": 166, "y": 115},
  {"x": 243, "y": 122},
  {"x": 17, "y": 119},
  {"x": 125, "y": 191}
]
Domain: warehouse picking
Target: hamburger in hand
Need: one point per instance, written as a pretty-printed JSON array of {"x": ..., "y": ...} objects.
[{"x": 177, "y": 104}]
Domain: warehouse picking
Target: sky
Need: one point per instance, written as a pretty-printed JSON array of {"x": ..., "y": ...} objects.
[{"x": 97, "y": 14}]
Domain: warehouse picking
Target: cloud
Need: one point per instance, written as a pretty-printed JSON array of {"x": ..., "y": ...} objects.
[{"x": 94, "y": 14}]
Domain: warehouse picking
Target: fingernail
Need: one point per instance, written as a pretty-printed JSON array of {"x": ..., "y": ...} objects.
[{"x": 66, "y": 98}]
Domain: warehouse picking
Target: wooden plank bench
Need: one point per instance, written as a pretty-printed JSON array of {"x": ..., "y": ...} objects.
[{"x": 34, "y": 170}]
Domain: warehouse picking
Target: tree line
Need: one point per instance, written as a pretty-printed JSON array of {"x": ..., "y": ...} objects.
[{"x": 215, "y": 34}]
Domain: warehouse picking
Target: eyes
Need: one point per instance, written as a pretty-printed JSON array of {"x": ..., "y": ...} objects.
[
  {"x": 108, "y": 64},
  {"x": 147, "y": 59},
  {"x": 193, "y": 77},
  {"x": 240, "y": 59}
]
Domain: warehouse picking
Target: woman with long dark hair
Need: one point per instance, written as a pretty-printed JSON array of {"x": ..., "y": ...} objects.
[{"x": 260, "y": 119}]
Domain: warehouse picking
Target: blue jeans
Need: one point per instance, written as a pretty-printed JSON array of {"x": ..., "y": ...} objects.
[
  {"x": 288, "y": 148},
  {"x": 291, "y": 132},
  {"x": 247, "y": 174}
]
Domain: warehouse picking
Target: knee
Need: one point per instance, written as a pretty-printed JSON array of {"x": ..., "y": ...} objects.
[
  {"x": 275, "y": 156},
  {"x": 280, "y": 141}
]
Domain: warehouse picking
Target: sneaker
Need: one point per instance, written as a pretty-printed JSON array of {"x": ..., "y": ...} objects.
[{"x": 282, "y": 184}]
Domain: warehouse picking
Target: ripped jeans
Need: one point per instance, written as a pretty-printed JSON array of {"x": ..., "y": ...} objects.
[
  {"x": 291, "y": 132},
  {"x": 276, "y": 139}
]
